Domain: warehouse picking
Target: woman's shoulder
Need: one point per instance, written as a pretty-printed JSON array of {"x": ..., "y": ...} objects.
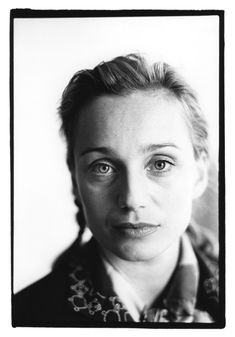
[
  {"x": 44, "y": 303},
  {"x": 53, "y": 280},
  {"x": 41, "y": 301},
  {"x": 204, "y": 243},
  {"x": 205, "y": 247}
]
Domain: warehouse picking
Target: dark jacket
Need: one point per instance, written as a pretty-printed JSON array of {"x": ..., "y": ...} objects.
[{"x": 49, "y": 302}]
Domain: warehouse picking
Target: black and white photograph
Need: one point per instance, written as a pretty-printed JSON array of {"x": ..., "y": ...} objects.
[{"x": 117, "y": 158}]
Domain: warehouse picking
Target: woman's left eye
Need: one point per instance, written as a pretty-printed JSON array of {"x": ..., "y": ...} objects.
[{"x": 159, "y": 166}]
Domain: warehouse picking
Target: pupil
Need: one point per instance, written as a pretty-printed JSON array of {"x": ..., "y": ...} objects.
[
  {"x": 160, "y": 165},
  {"x": 103, "y": 168}
]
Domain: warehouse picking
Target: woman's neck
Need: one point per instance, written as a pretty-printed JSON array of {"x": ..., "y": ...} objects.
[{"x": 148, "y": 278}]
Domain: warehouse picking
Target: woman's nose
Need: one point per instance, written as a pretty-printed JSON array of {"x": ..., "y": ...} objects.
[{"x": 132, "y": 193}]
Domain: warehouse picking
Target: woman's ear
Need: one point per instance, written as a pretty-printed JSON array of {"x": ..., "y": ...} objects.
[{"x": 201, "y": 180}]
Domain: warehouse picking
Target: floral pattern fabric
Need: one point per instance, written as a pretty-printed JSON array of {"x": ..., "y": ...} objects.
[{"x": 180, "y": 304}]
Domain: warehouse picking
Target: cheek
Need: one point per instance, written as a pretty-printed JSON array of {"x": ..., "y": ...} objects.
[
  {"x": 179, "y": 207},
  {"x": 95, "y": 201},
  {"x": 176, "y": 199}
]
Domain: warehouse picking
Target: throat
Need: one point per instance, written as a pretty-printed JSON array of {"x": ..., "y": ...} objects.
[{"x": 148, "y": 279}]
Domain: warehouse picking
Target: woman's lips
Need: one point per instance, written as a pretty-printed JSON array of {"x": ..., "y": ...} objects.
[{"x": 135, "y": 230}]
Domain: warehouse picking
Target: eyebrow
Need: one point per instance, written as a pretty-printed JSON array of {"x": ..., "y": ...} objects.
[
  {"x": 101, "y": 149},
  {"x": 144, "y": 149},
  {"x": 154, "y": 147}
]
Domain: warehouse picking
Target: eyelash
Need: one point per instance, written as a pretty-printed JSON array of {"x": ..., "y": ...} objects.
[
  {"x": 151, "y": 167},
  {"x": 95, "y": 168}
]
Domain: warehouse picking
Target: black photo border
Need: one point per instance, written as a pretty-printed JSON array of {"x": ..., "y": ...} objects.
[{"x": 31, "y": 13}]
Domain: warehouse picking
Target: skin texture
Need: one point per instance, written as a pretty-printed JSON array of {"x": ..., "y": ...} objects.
[{"x": 134, "y": 163}]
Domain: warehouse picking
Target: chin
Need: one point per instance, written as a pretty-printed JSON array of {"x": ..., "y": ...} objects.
[{"x": 137, "y": 252}]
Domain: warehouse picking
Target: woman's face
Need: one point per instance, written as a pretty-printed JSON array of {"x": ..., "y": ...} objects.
[{"x": 135, "y": 172}]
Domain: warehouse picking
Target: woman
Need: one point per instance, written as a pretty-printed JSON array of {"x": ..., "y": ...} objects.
[{"x": 137, "y": 150}]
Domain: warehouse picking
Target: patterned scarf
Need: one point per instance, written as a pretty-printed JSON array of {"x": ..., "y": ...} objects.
[{"x": 92, "y": 294}]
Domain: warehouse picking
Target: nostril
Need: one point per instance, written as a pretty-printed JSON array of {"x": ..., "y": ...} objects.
[
  {"x": 130, "y": 203},
  {"x": 123, "y": 205}
]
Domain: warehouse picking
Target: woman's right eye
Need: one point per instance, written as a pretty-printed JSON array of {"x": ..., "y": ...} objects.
[{"x": 102, "y": 169}]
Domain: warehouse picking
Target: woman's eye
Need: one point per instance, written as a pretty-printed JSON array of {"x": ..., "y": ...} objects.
[
  {"x": 102, "y": 169},
  {"x": 159, "y": 166}
]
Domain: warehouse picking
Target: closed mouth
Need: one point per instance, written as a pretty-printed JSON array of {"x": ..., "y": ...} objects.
[{"x": 135, "y": 229}]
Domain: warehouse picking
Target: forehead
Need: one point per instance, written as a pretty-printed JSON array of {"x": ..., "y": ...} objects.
[{"x": 132, "y": 120}]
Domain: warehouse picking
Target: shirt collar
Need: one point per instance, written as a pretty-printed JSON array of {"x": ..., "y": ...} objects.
[
  {"x": 105, "y": 300},
  {"x": 182, "y": 292},
  {"x": 180, "y": 297}
]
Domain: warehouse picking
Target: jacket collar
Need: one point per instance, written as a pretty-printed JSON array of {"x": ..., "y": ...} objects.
[{"x": 91, "y": 292}]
